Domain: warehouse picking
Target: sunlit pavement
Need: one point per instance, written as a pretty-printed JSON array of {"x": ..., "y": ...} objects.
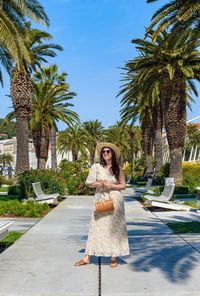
[{"x": 42, "y": 261}]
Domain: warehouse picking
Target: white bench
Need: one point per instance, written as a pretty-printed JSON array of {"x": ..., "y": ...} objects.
[
  {"x": 164, "y": 200},
  {"x": 41, "y": 197},
  {"x": 4, "y": 225},
  {"x": 146, "y": 188}
]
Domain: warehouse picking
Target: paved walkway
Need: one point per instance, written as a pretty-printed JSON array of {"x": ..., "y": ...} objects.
[{"x": 41, "y": 261}]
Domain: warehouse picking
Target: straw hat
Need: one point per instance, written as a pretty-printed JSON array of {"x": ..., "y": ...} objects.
[{"x": 100, "y": 146}]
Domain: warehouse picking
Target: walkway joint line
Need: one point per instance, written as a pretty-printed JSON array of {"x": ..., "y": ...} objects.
[{"x": 99, "y": 288}]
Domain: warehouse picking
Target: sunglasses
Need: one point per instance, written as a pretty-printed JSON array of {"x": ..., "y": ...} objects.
[{"x": 106, "y": 151}]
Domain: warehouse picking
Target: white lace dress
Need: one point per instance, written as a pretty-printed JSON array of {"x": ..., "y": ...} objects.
[{"x": 107, "y": 233}]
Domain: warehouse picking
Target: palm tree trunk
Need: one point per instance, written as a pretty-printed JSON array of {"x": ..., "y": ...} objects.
[
  {"x": 53, "y": 149},
  {"x": 41, "y": 138},
  {"x": 21, "y": 92},
  {"x": 158, "y": 145},
  {"x": 92, "y": 155},
  {"x": 22, "y": 129},
  {"x": 132, "y": 150},
  {"x": 174, "y": 94},
  {"x": 147, "y": 145},
  {"x": 74, "y": 154}
]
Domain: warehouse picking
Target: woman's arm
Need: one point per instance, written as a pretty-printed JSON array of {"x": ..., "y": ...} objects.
[
  {"x": 95, "y": 184},
  {"x": 120, "y": 186}
]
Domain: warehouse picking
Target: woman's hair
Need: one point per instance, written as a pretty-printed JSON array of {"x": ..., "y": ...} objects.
[{"x": 115, "y": 166}]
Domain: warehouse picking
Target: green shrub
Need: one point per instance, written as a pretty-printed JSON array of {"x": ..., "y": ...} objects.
[
  {"x": 181, "y": 190},
  {"x": 76, "y": 184},
  {"x": 137, "y": 180},
  {"x": 50, "y": 182},
  {"x": 75, "y": 174},
  {"x": 14, "y": 190},
  {"x": 191, "y": 175},
  {"x": 164, "y": 173},
  {"x": 29, "y": 209},
  {"x": 8, "y": 181},
  {"x": 139, "y": 164},
  {"x": 69, "y": 168},
  {"x": 3, "y": 180}
]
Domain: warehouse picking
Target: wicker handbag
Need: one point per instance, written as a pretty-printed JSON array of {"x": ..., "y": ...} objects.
[{"x": 104, "y": 206}]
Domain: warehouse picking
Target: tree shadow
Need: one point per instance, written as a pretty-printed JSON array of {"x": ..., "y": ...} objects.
[{"x": 157, "y": 247}]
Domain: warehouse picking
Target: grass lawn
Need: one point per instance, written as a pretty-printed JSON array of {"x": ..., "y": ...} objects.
[
  {"x": 192, "y": 203},
  {"x": 9, "y": 240},
  {"x": 4, "y": 189},
  {"x": 185, "y": 227}
]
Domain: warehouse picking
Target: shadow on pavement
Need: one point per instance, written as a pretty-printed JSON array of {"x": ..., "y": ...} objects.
[{"x": 156, "y": 248}]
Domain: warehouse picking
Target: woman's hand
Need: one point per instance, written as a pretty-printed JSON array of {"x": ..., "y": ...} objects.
[
  {"x": 101, "y": 184},
  {"x": 107, "y": 185}
]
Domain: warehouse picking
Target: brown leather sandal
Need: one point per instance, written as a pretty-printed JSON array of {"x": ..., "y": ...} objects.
[
  {"x": 113, "y": 264},
  {"x": 81, "y": 262}
]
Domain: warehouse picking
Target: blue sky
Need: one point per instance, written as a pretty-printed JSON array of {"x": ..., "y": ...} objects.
[{"x": 96, "y": 36}]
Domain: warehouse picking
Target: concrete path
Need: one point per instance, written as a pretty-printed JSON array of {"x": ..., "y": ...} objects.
[{"x": 41, "y": 261}]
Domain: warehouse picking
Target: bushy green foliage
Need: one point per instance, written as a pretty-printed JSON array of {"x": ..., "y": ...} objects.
[
  {"x": 3, "y": 180},
  {"x": 14, "y": 190},
  {"x": 29, "y": 209},
  {"x": 75, "y": 175},
  {"x": 191, "y": 175},
  {"x": 137, "y": 180},
  {"x": 68, "y": 168},
  {"x": 76, "y": 184},
  {"x": 139, "y": 164},
  {"x": 50, "y": 182},
  {"x": 164, "y": 173}
]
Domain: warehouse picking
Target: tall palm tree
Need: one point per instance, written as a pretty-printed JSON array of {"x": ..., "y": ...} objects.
[
  {"x": 72, "y": 139},
  {"x": 172, "y": 65},
  {"x": 13, "y": 18},
  {"x": 137, "y": 100},
  {"x": 50, "y": 74},
  {"x": 180, "y": 14},
  {"x": 22, "y": 89},
  {"x": 93, "y": 133},
  {"x": 50, "y": 104}
]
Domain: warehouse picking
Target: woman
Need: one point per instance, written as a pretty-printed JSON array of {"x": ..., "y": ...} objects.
[{"x": 108, "y": 233}]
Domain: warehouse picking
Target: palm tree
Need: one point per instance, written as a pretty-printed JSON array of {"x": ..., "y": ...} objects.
[
  {"x": 93, "y": 133},
  {"x": 13, "y": 18},
  {"x": 6, "y": 158},
  {"x": 192, "y": 141},
  {"x": 138, "y": 100},
  {"x": 180, "y": 14},
  {"x": 170, "y": 65},
  {"x": 50, "y": 74},
  {"x": 50, "y": 104},
  {"x": 72, "y": 139},
  {"x": 22, "y": 89}
]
